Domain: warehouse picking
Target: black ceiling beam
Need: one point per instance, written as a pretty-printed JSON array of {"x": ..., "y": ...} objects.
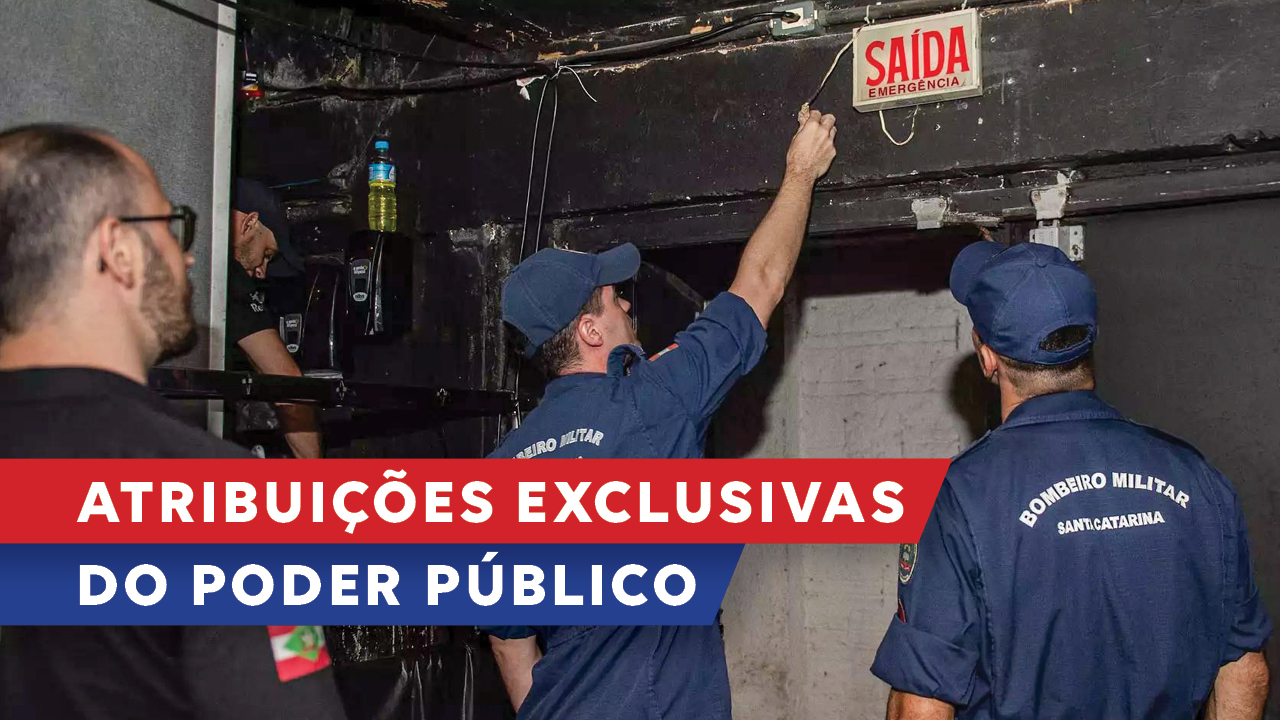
[{"x": 981, "y": 200}]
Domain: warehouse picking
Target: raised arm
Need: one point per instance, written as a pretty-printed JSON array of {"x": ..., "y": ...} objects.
[{"x": 770, "y": 255}]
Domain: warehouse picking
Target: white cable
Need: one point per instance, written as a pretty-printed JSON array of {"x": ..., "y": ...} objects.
[
  {"x": 570, "y": 68},
  {"x": 913, "y": 128},
  {"x": 804, "y": 109}
]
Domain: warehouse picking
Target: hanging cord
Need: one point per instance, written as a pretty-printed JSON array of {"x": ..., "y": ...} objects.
[
  {"x": 551, "y": 83},
  {"x": 913, "y": 128},
  {"x": 524, "y": 233},
  {"x": 803, "y": 115},
  {"x": 576, "y": 76},
  {"x": 546, "y": 163}
]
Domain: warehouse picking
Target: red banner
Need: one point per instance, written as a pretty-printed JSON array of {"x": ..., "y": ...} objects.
[{"x": 467, "y": 501}]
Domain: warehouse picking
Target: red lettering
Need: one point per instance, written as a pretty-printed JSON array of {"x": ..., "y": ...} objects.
[
  {"x": 897, "y": 60},
  {"x": 957, "y": 54},
  {"x": 915, "y": 55},
  {"x": 871, "y": 60},
  {"x": 931, "y": 37}
]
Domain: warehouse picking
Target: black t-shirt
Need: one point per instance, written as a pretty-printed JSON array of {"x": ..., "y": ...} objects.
[
  {"x": 131, "y": 673},
  {"x": 84, "y": 413},
  {"x": 247, "y": 312}
]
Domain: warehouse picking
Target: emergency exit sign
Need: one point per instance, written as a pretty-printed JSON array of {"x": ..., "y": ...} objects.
[{"x": 917, "y": 61}]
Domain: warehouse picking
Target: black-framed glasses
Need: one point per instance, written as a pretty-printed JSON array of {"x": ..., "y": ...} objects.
[{"x": 182, "y": 224}]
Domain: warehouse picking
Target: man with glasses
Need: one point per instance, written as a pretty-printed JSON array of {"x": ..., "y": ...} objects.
[
  {"x": 260, "y": 248},
  {"x": 93, "y": 292}
]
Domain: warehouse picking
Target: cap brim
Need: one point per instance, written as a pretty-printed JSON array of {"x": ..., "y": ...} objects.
[
  {"x": 288, "y": 263},
  {"x": 965, "y": 269},
  {"x": 617, "y": 265}
]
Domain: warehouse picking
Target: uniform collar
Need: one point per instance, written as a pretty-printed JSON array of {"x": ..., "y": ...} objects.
[
  {"x": 620, "y": 359},
  {"x": 1057, "y": 407},
  {"x": 565, "y": 383},
  {"x": 52, "y": 383}
]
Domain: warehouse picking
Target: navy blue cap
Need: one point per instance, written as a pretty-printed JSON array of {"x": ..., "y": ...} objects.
[
  {"x": 546, "y": 292},
  {"x": 1018, "y": 296},
  {"x": 252, "y": 196}
]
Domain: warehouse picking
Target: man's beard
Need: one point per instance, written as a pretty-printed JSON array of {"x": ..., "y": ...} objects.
[
  {"x": 166, "y": 306},
  {"x": 243, "y": 255}
]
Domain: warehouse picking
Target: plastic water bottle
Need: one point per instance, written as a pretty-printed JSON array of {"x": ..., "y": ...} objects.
[{"x": 382, "y": 188}]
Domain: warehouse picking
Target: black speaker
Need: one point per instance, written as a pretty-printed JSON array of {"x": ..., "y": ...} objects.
[
  {"x": 324, "y": 322},
  {"x": 379, "y": 284}
]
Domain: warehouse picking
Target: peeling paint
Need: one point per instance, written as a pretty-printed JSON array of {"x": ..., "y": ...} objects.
[
  {"x": 437, "y": 4},
  {"x": 699, "y": 29}
]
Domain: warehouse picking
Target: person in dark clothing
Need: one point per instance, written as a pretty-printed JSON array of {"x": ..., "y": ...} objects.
[
  {"x": 260, "y": 247},
  {"x": 606, "y": 400},
  {"x": 93, "y": 292},
  {"x": 1075, "y": 564}
]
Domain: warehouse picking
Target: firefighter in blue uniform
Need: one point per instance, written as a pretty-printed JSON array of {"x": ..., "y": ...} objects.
[
  {"x": 1076, "y": 564},
  {"x": 605, "y": 400}
]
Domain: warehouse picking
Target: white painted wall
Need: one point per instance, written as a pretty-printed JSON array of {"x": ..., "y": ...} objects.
[{"x": 869, "y": 374}]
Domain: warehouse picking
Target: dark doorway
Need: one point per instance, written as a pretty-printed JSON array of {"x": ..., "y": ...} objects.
[{"x": 1189, "y": 341}]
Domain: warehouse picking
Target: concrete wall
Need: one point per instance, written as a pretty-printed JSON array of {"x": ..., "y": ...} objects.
[
  {"x": 137, "y": 70},
  {"x": 866, "y": 370}
]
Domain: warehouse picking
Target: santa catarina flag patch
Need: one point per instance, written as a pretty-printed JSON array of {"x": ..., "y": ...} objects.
[
  {"x": 907, "y": 554},
  {"x": 298, "y": 649}
]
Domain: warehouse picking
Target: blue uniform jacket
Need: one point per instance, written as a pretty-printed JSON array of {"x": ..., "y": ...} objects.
[
  {"x": 638, "y": 409},
  {"x": 1075, "y": 565},
  {"x": 657, "y": 408}
]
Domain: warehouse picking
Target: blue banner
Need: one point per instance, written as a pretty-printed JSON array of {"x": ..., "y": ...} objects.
[{"x": 263, "y": 584}]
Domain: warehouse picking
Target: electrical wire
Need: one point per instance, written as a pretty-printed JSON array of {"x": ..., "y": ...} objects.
[
  {"x": 654, "y": 48},
  {"x": 625, "y": 52},
  {"x": 885, "y": 129},
  {"x": 804, "y": 109},
  {"x": 546, "y": 163},
  {"x": 550, "y": 83},
  {"x": 533, "y": 157},
  {"x": 240, "y": 7}
]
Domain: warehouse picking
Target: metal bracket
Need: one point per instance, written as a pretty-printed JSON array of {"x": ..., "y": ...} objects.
[
  {"x": 929, "y": 212},
  {"x": 1067, "y": 238},
  {"x": 808, "y": 24},
  {"x": 1049, "y": 202}
]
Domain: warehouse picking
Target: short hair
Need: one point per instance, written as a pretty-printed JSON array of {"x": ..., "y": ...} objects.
[
  {"x": 1030, "y": 379},
  {"x": 57, "y": 182},
  {"x": 561, "y": 352}
]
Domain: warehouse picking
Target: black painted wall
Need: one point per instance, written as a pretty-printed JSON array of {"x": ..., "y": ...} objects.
[
  {"x": 1189, "y": 296},
  {"x": 1189, "y": 341}
]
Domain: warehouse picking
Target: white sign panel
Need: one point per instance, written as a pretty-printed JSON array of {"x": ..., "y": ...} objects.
[{"x": 917, "y": 61}]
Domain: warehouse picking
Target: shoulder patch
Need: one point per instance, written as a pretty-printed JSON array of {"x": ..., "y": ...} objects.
[
  {"x": 907, "y": 554},
  {"x": 664, "y": 351}
]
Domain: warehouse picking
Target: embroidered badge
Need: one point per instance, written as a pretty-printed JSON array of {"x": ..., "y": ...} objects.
[
  {"x": 298, "y": 649},
  {"x": 906, "y": 562}
]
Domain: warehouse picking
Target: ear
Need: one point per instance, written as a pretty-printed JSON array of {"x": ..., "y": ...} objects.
[
  {"x": 119, "y": 252},
  {"x": 990, "y": 363},
  {"x": 590, "y": 332},
  {"x": 248, "y": 222}
]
